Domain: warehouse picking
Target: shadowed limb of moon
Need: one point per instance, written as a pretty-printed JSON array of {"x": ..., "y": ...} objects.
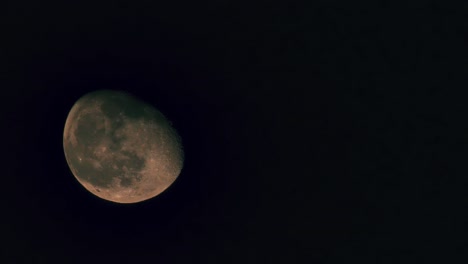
[{"x": 120, "y": 148}]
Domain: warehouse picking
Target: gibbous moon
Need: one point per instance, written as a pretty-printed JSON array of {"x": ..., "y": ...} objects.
[{"x": 120, "y": 148}]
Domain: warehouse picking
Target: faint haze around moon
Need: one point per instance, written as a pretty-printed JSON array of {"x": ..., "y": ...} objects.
[{"x": 120, "y": 148}]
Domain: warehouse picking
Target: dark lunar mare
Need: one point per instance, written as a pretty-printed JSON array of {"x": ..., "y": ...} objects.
[{"x": 114, "y": 107}]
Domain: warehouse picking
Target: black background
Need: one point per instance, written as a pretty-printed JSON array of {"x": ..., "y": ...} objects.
[{"x": 314, "y": 132}]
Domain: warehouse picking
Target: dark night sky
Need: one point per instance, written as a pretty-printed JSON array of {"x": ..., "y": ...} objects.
[{"x": 314, "y": 132}]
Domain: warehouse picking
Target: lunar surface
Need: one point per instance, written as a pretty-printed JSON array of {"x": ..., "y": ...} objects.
[{"x": 120, "y": 148}]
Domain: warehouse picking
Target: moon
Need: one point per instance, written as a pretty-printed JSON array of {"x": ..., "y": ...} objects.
[{"x": 120, "y": 148}]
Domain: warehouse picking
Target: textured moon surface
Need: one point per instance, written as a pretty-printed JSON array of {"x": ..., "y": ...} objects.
[{"x": 120, "y": 148}]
